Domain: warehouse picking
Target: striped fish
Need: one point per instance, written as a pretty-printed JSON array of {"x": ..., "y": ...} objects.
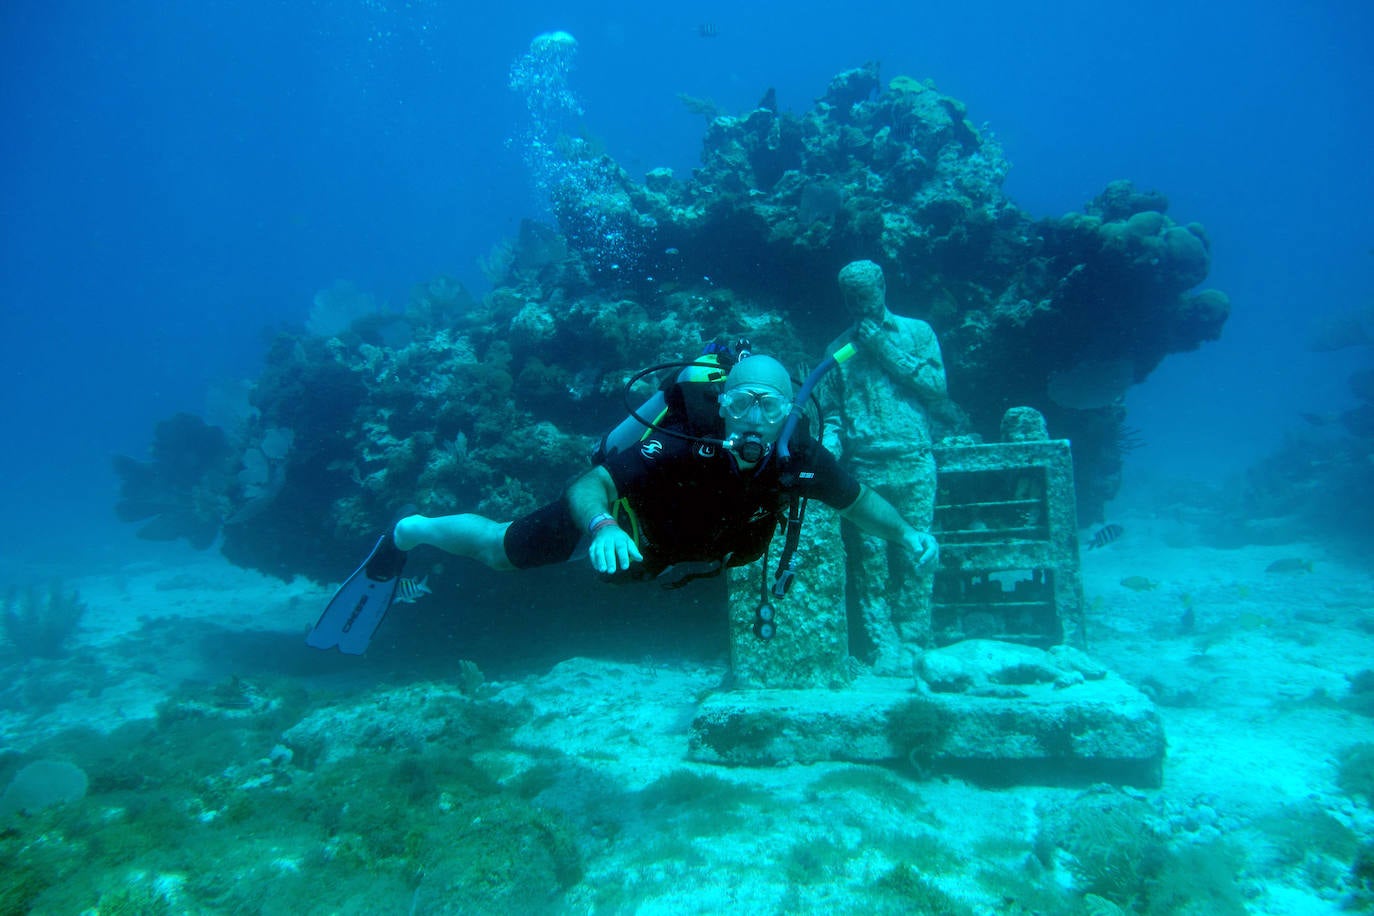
[
  {"x": 1105, "y": 535},
  {"x": 408, "y": 591}
]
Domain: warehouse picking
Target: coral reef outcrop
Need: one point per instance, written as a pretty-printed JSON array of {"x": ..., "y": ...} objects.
[
  {"x": 901, "y": 176},
  {"x": 490, "y": 406}
]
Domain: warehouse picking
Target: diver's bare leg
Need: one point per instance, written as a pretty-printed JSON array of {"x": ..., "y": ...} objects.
[{"x": 472, "y": 536}]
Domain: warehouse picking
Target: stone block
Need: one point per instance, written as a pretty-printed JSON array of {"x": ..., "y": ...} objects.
[
  {"x": 811, "y": 645},
  {"x": 999, "y": 717}
]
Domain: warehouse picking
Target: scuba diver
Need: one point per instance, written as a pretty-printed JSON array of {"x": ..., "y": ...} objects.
[{"x": 667, "y": 505}]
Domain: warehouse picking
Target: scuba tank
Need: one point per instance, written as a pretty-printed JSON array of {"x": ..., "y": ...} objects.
[{"x": 686, "y": 404}]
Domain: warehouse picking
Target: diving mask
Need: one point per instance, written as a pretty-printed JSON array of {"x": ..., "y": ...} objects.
[{"x": 737, "y": 402}]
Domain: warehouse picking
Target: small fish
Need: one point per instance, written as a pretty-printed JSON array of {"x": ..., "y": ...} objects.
[
  {"x": 1140, "y": 584},
  {"x": 411, "y": 590},
  {"x": 1105, "y": 535},
  {"x": 1289, "y": 565}
]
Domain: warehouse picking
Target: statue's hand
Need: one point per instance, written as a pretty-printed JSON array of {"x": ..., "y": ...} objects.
[{"x": 868, "y": 332}]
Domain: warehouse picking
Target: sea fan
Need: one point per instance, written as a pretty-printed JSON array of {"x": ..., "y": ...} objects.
[{"x": 40, "y": 621}]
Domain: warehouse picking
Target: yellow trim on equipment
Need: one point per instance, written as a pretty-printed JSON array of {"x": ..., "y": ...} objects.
[
  {"x": 662, "y": 414},
  {"x": 622, "y": 507}
]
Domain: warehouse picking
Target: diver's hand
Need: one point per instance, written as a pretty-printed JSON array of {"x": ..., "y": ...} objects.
[
  {"x": 924, "y": 545},
  {"x": 613, "y": 550}
]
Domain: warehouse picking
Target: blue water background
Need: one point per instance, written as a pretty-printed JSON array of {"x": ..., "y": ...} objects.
[{"x": 178, "y": 178}]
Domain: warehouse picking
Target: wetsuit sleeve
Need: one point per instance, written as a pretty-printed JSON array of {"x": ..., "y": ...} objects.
[
  {"x": 831, "y": 484},
  {"x": 632, "y": 473}
]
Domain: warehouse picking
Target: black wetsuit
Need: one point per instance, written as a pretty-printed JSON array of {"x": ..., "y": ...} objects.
[{"x": 690, "y": 501}]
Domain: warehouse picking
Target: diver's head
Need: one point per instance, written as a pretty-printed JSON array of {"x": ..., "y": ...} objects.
[
  {"x": 755, "y": 404},
  {"x": 864, "y": 289}
]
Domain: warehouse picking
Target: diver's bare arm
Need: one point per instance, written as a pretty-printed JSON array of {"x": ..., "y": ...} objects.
[
  {"x": 593, "y": 494},
  {"x": 876, "y": 516}
]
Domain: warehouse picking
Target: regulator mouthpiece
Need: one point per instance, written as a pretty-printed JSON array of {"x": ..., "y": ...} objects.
[{"x": 750, "y": 447}]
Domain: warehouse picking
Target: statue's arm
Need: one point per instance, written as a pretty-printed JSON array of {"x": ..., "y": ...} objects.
[{"x": 910, "y": 353}]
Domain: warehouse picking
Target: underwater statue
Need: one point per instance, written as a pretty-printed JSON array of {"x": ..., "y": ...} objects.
[{"x": 882, "y": 402}]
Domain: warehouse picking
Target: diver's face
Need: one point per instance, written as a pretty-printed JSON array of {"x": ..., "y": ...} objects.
[{"x": 757, "y": 409}]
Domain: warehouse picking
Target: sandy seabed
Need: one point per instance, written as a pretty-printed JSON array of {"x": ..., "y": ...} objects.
[{"x": 1255, "y": 674}]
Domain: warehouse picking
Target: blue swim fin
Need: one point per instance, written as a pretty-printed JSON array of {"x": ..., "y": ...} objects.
[{"x": 357, "y": 608}]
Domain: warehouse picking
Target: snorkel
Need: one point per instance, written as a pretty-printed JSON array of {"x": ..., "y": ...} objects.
[{"x": 842, "y": 355}]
